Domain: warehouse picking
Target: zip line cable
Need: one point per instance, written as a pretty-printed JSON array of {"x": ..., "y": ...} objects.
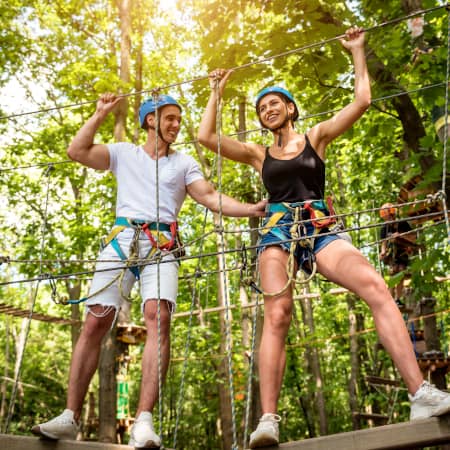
[
  {"x": 444, "y": 162},
  {"x": 228, "y": 341},
  {"x": 137, "y": 263},
  {"x": 243, "y": 66},
  {"x": 19, "y": 362},
  {"x": 254, "y": 130}
]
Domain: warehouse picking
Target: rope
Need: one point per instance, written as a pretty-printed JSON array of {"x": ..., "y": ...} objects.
[
  {"x": 155, "y": 96},
  {"x": 33, "y": 302},
  {"x": 444, "y": 160},
  {"x": 187, "y": 345},
  {"x": 250, "y": 370},
  {"x": 254, "y": 130},
  {"x": 305, "y": 241},
  {"x": 234, "y": 250},
  {"x": 243, "y": 66},
  {"x": 431, "y": 198},
  {"x": 228, "y": 344}
]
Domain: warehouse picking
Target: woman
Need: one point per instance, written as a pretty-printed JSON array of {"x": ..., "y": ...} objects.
[{"x": 293, "y": 172}]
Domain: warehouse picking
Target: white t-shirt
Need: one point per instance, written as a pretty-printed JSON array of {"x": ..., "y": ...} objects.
[{"x": 135, "y": 172}]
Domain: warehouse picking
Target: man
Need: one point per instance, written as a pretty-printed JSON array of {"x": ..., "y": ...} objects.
[
  {"x": 145, "y": 224},
  {"x": 396, "y": 245}
]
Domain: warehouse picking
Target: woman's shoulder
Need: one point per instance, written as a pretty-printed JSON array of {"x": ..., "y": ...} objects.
[{"x": 315, "y": 139}]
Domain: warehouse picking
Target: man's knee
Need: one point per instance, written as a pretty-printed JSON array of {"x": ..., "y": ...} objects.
[
  {"x": 99, "y": 320},
  {"x": 152, "y": 316}
]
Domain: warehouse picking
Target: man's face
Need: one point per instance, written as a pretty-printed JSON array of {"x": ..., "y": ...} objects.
[{"x": 169, "y": 122}]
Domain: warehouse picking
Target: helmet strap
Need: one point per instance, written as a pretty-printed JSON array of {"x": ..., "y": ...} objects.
[
  {"x": 280, "y": 136},
  {"x": 161, "y": 137}
]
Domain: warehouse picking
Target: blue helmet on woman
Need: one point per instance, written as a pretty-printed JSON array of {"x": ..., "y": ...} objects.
[
  {"x": 150, "y": 106},
  {"x": 277, "y": 90}
]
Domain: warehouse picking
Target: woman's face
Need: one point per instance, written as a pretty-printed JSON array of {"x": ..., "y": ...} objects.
[{"x": 273, "y": 111}]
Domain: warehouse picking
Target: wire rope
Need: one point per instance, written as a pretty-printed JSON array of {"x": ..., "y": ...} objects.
[
  {"x": 257, "y": 61},
  {"x": 228, "y": 343},
  {"x": 32, "y": 305}
]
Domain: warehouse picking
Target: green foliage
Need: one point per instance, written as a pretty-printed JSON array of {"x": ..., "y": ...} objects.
[{"x": 68, "y": 52}]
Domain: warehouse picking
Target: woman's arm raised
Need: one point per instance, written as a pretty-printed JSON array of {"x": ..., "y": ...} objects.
[
  {"x": 324, "y": 132},
  {"x": 247, "y": 153}
]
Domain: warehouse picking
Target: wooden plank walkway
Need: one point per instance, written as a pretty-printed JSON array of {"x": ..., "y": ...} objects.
[
  {"x": 11, "y": 442},
  {"x": 406, "y": 435}
]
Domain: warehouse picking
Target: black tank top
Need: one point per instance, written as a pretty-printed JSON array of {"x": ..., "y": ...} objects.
[{"x": 294, "y": 180}]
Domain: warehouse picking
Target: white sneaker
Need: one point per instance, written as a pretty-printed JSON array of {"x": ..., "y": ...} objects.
[
  {"x": 61, "y": 427},
  {"x": 266, "y": 432},
  {"x": 428, "y": 401},
  {"x": 142, "y": 433}
]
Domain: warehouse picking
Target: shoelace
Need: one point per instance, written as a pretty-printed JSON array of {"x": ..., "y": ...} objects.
[
  {"x": 430, "y": 389},
  {"x": 268, "y": 417}
]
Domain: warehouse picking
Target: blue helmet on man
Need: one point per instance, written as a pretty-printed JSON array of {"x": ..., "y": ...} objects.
[
  {"x": 277, "y": 90},
  {"x": 150, "y": 106}
]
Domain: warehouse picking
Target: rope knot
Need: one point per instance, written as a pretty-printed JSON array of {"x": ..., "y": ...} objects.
[{"x": 219, "y": 229}]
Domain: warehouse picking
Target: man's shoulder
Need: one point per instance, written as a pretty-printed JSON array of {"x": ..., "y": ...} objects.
[
  {"x": 122, "y": 146},
  {"x": 183, "y": 158}
]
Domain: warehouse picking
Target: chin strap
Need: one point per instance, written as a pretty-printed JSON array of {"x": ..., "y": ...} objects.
[
  {"x": 280, "y": 136},
  {"x": 161, "y": 137}
]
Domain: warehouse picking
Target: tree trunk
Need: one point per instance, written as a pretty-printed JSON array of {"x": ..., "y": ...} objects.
[
  {"x": 138, "y": 73},
  {"x": 354, "y": 362},
  {"x": 432, "y": 338},
  {"x": 314, "y": 363},
  {"x": 110, "y": 348},
  {"x": 108, "y": 388},
  {"x": 255, "y": 401},
  {"x": 120, "y": 113},
  {"x": 4, "y": 385}
]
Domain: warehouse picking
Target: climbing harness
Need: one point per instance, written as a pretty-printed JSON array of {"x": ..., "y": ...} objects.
[
  {"x": 315, "y": 212},
  {"x": 154, "y": 232},
  {"x": 157, "y": 235}
]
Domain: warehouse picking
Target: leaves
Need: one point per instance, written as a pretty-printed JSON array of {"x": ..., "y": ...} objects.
[{"x": 67, "y": 52}]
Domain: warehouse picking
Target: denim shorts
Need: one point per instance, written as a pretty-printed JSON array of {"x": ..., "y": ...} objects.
[{"x": 281, "y": 232}]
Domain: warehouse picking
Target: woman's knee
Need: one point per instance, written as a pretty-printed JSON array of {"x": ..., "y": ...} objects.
[
  {"x": 278, "y": 319},
  {"x": 376, "y": 292}
]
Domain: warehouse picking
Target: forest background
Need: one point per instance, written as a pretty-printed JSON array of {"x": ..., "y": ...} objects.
[{"x": 59, "y": 56}]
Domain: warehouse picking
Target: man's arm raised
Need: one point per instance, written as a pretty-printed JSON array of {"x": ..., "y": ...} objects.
[{"x": 82, "y": 148}]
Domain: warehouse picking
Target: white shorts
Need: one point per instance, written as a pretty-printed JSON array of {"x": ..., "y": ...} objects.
[{"x": 113, "y": 295}]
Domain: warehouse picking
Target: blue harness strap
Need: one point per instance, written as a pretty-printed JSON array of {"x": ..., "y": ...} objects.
[
  {"x": 143, "y": 225},
  {"x": 124, "y": 222}
]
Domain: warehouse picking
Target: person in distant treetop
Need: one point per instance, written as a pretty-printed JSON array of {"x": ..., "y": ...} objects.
[{"x": 397, "y": 242}]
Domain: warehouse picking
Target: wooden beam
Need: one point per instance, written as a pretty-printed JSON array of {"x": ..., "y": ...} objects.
[
  {"x": 17, "y": 312},
  {"x": 11, "y": 442},
  {"x": 371, "y": 379},
  {"x": 417, "y": 434}
]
